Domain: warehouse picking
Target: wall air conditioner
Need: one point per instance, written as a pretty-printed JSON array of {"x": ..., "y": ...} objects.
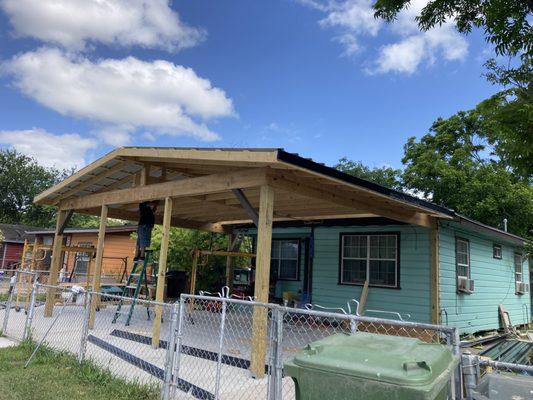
[
  {"x": 522, "y": 287},
  {"x": 465, "y": 285}
]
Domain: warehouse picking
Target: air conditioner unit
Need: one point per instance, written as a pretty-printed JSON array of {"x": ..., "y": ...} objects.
[
  {"x": 465, "y": 285},
  {"x": 522, "y": 287}
]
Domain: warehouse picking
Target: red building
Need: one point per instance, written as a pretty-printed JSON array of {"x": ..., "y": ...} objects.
[{"x": 12, "y": 242}]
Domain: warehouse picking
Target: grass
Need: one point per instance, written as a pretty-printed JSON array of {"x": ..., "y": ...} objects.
[{"x": 58, "y": 376}]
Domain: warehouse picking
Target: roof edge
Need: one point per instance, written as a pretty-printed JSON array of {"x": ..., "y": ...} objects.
[{"x": 335, "y": 173}]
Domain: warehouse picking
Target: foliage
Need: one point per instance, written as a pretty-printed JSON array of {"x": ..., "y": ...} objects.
[
  {"x": 55, "y": 375},
  {"x": 455, "y": 165},
  {"x": 506, "y": 24},
  {"x": 385, "y": 176},
  {"x": 21, "y": 179},
  {"x": 181, "y": 245},
  {"x": 507, "y": 117}
]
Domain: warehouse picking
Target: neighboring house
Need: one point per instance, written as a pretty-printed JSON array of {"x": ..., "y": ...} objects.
[
  {"x": 481, "y": 267},
  {"x": 12, "y": 243},
  {"x": 119, "y": 249}
]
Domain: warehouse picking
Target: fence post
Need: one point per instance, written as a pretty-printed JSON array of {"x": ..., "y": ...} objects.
[
  {"x": 31, "y": 310},
  {"x": 85, "y": 328},
  {"x": 12, "y": 284},
  {"x": 220, "y": 347},
  {"x": 169, "y": 361},
  {"x": 279, "y": 351},
  {"x": 469, "y": 364},
  {"x": 177, "y": 357}
]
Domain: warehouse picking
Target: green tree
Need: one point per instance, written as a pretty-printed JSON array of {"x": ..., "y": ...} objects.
[
  {"x": 385, "y": 176},
  {"x": 506, "y": 24},
  {"x": 21, "y": 179},
  {"x": 455, "y": 165}
]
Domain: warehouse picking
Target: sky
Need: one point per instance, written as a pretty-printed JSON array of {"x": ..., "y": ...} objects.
[{"x": 324, "y": 79}]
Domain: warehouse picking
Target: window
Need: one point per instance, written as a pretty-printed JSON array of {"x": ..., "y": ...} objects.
[
  {"x": 518, "y": 267},
  {"x": 81, "y": 261},
  {"x": 497, "y": 251},
  {"x": 462, "y": 257},
  {"x": 369, "y": 256},
  {"x": 285, "y": 258}
]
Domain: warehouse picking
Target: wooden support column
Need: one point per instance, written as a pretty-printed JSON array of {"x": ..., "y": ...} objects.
[
  {"x": 194, "y": 269},
  {"x": 434, "y": 273},
  {"x": 29, "y": 278},
  {"x": 229, "y": 263},
  {"x": 161, "y": 273},
  {"x": 55, "y": 264},
  {"x": 262, "y": 280},
  {"x": 98, "y": 264}
]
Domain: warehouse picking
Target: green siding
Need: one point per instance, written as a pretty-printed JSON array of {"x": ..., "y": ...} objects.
[
  {"x": 413, "y": 295},
  {"x": 494, "y": 282}
]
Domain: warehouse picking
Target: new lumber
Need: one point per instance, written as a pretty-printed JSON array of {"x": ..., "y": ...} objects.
[
  {"x": 179, "y": 188},
  {"x": 98, "y": 265}
]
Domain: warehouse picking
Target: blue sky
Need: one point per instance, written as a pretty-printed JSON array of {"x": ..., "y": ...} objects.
[{"x": 320, "y": 78}]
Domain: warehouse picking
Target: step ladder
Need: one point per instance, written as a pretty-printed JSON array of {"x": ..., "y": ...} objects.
[{"x": 137, "y": 280}]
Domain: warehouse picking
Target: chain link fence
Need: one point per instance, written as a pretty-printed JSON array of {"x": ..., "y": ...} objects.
[{"x": 208, "y": 347}]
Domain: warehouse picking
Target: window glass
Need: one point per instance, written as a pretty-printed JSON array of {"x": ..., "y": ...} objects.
[
  {"x": 518, "y": 267},
  {"x": 497, "y": 251},
  {"x": 462, "y": 255},
  {"x": 372, "y": 257},
  {"x": 284, "y": 258}
]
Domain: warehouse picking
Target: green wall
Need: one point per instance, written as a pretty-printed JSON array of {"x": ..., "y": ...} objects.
[
  {"x": 494, "y": 282},
  {"x": 412, "y": 297}
]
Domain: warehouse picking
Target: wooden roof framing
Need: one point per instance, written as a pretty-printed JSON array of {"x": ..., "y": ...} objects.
[{"x": 203, "y": 180}]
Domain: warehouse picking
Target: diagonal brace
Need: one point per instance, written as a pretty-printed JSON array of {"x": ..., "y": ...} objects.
[{"x": 245, "y": 203}]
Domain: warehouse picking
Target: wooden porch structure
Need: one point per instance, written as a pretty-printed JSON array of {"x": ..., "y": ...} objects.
[{"x": 215, "y": 189}]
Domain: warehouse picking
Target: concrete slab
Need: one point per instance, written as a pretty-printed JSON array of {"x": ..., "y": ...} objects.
[{"x": 6, "y": 342}]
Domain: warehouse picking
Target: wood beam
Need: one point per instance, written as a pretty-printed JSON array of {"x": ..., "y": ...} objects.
[
  {"x": 434, "y": 273},
  {"x": 98, "y": 265},
  {"x": 65, "y": 221},
  {"x": 55, "y": 264},
  {"x": 262, "y": 282},
  {"x": 245, "y": 203},
  {"x": 161, "y": 273},
  {"x": 284, "y": 182},
  {"x": 180, "y": 188}
]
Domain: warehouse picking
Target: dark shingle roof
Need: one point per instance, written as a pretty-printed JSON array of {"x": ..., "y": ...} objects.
[{"x": 15, "y": 233}]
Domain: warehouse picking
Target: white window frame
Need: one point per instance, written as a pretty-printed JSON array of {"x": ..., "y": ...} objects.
[
  {"x": 494, "y": 247},
  {"x": 368, "y": 259},
  {"x": 521, "y": 264},
  {"x": 468, "y": 264},
  {"x": 278, "y": 258}
]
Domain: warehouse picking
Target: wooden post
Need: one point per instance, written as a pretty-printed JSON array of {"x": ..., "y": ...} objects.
[
  {"x": 29, "y": 278},
  {"x": 262, "y": 278},
  {"x": 98, "y": 264},
  {"x": 434, "y": 274},
  {"x": 195, "y": 257},
  {"x": 229, "y": 264},
  {"x": 161, "y": 273},
  {"x": 55, "y": 264},
  {"x": 362, "y": 299}
]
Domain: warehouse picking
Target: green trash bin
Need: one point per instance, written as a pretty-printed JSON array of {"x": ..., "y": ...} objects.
[{"x": 372, "y": 367}]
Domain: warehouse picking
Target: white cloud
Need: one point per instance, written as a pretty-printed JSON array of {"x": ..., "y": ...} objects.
[
  {"x": 128, "y": 93},
  {"x": 60, "y": 151},
  {"x": 409, "y": 49},
  {"x": 76, "y": 23}
]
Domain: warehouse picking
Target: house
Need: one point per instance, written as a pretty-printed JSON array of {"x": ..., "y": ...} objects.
[
  {"x": 119, "y": 251},
  {"x": 318, "y": 231},
  {"x": 12, "y": 239},
  {"x": 327, "y": 262}
]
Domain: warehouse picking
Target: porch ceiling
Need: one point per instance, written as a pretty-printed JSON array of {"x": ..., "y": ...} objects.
[{"x": 202, "y": 181}]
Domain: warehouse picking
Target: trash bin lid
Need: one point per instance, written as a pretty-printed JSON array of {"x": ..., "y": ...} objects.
[{"x": 391, "y": 359}]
